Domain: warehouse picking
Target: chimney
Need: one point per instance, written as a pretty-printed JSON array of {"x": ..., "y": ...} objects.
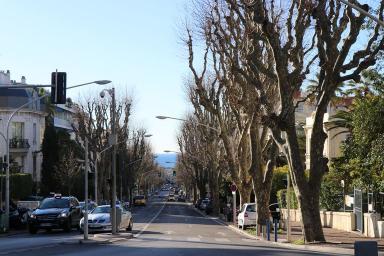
[{"x": 23, "y": 80}]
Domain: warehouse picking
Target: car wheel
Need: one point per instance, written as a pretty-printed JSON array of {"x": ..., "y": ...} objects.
[
  {"x": 32, "y": 230},
  {"x": 68, "y": 225},
  {"x": 130, "y": 225}
]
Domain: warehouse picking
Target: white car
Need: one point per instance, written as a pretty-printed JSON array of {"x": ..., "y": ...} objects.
[
  {"x": 247, "y": 216},
  {"x": 99, "y": 219}
]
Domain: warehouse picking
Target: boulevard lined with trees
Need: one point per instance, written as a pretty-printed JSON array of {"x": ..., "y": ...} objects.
[{"x": 248, "y": 60}]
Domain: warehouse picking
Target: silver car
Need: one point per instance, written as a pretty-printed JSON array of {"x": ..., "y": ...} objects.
[{"x": 100, "y": 219}]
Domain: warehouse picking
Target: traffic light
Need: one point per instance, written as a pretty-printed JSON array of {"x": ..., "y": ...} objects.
[
  {"x": 59, "y": 87},
  {"x": 174, "y": 173}
]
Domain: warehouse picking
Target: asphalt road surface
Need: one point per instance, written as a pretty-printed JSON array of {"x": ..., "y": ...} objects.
[{"x": 160, "y": 228}]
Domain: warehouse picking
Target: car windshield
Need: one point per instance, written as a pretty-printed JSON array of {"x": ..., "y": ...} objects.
[
  {"x": 139, "y": 197},
  {"x": 251, "y": 208},
  {"x": 102, "y": 210},
  {"x": 90, "y": 206},
  {"x": 54, "y": 203}
]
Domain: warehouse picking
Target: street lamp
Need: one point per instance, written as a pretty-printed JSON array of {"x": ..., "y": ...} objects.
[
  {"x": 111, "y": 93},
  {"x": 7, "y": 190},
  {"x": 346, "y": 2},
  {"x": 184, "y": 120}
]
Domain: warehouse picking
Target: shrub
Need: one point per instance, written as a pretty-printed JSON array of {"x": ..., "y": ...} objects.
[
  {"x": 21, "y": 185},
  {"x": 278, "y": 182},
  {"x": 281, "y": 198}
]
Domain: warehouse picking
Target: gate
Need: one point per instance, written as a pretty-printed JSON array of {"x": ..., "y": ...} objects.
[{"x": 358, "y": 209}]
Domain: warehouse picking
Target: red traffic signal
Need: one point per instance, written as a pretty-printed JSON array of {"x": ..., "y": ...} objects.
[{"x": 233, "y": 187}]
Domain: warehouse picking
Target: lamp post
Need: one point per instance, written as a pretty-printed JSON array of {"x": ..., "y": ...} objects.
[
  {"x": 111, "y": 92},
  {"x": 346, "y": 2},
  {"x": 184, "y": 120},
  {"x": 7, "y": 190}
]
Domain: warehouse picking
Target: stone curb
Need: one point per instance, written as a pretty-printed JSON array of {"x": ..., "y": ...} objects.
[{"x": 314, "y": 248}]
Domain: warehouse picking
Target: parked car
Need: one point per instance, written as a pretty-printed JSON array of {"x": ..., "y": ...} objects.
[
  {"x": 203, "y": 204},
  {"x": 91, "y": 205},
  {"x": 100, "y": 219},
  {"x": 198, "y": 202},
  {"x": 209, "y": 207},
  {"x": 171, "y": 197},
  {"x": 139, "y": 200},
  {"x": 55, "y": 212},
  {"x": 247, "y": 215},
  {"x": 18, "y": 216},
  {"x": 181, "y": 198}
]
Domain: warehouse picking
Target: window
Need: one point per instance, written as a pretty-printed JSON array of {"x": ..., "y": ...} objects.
[
  {"x": 18, "y": 130},
  {"x": 34, "y": 133}
]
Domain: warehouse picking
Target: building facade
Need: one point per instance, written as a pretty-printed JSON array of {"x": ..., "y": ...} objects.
[{"x": 26, "y": 128}]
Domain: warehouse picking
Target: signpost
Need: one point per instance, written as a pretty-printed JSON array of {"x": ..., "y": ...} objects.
[{"x": 233, "y": 189}]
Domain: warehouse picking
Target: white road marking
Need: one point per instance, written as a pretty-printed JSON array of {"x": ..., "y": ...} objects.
[
  {"x": 170, "y": 232},
  {"x": 149, "y": 223},
  {"x": 200, "y": 236},
  {"x": 222, "y": 240},
  {"x": 221, "y": 233},
  {"x": 193, "y": 239},
  {"x": 167, "y": 238}
]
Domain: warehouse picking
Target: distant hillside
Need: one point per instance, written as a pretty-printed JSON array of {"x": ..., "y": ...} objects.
[{"x": 162, "y": 160}]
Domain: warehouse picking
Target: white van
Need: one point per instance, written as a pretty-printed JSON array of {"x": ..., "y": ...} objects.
[{"x": 247, "y": 216}]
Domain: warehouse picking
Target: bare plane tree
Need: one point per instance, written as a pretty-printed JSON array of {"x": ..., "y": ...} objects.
[{"x": 286, "y": 43}]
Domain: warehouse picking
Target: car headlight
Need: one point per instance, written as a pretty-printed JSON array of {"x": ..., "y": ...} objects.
[
  {"x": 63, "y": 214},
  {"x": 32, "y": 216}
]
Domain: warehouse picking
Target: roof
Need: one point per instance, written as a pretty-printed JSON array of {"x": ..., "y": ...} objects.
[{"x": 14, "y": 98}]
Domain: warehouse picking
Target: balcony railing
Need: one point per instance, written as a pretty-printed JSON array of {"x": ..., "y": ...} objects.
[{"x": 19, "y": 143}]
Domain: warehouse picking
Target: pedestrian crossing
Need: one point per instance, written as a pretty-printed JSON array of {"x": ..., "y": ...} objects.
[{"x": 194, "y": 239}]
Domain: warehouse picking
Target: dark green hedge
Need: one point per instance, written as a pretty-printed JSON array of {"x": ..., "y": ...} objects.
[
  {"x": 21, "y": 185},
  {"x": 281, "y": 198}
]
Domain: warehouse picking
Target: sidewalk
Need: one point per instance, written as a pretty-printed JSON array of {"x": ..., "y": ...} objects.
[
  {"x": 334, "y": 237},
  {"x": 336, "y": 240}
]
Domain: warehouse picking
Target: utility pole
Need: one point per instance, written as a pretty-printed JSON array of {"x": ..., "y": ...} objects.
[
  {"x": 86, "y": 191},
  {"x": 96, "y": 174},
  {"x": 114, "y": 140}
]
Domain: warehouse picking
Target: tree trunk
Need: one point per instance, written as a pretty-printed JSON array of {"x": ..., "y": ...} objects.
[
  {"x": 245, "y": 194},
  {"x": 262, "y": 203},
  {"x": 307, "y": 191},
  {"x": 310, "y": 212}
]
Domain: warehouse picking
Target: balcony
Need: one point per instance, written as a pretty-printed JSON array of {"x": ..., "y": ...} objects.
[{"x": 19, "y": 145}]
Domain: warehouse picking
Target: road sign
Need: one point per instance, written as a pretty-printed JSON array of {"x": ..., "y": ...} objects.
[{"x": 233, "y": 188}]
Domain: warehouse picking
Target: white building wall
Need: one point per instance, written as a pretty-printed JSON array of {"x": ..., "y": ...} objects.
[
  {"x": 331, "y": 145},
  {"x": 35, "y": 140}
]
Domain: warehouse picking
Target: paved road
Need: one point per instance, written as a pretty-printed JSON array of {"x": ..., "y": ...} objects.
[{"x": 161, "y": 228}]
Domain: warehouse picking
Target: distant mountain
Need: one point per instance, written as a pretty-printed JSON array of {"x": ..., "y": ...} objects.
[{"x": 162, "y": 160}]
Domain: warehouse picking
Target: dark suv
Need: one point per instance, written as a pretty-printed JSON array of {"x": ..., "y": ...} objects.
[{"x": 55, "y": 212}]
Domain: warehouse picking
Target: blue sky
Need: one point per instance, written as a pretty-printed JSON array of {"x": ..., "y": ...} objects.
[{"x": 136, "y": 44}]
